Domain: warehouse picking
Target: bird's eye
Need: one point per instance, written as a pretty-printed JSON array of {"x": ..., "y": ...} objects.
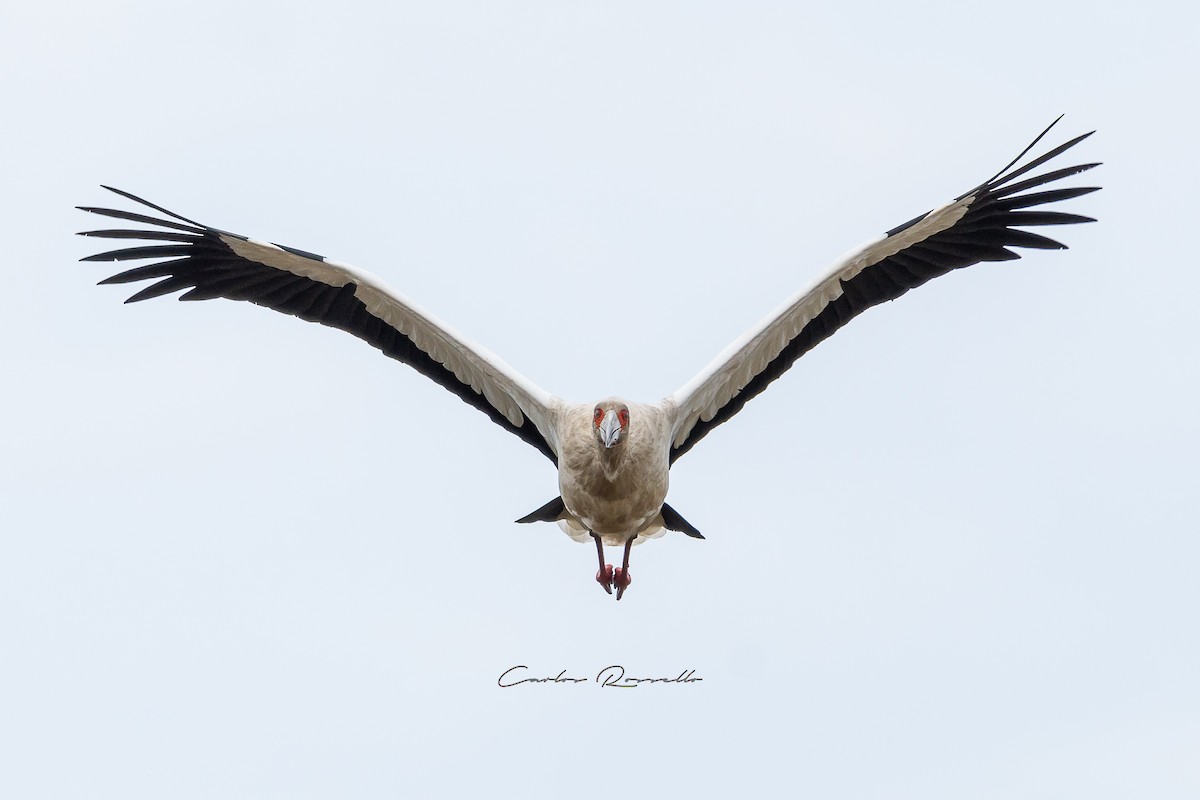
[
  {"x": 598, "y": 416},
  {"x": 624, "y": 417}
]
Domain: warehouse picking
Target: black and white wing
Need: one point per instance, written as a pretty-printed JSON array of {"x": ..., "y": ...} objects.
[
  {"x": 980, "y": 225},
  {"x": 210, "y": 263}
]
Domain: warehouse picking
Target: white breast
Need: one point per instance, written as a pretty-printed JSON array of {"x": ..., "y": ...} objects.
[{"x": 619, "y": 492}]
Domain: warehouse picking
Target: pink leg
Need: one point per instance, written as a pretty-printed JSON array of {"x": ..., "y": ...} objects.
[
  {"x": 605, "y": 576},
  {"x": 621, "y": 576}
]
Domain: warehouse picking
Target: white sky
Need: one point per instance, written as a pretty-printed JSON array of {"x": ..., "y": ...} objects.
[{"x": 953, "y": 553}]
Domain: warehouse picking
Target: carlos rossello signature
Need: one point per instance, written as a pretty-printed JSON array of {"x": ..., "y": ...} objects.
[{"x": 612, "y": 676}]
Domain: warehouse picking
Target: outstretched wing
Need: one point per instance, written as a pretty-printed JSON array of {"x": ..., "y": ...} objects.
[
  {"x": 213, "y": 263},
  {"x": 980, "y": 225}
]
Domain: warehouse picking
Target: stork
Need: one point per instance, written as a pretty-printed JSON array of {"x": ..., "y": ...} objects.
[{"x": 613, "y": 456}]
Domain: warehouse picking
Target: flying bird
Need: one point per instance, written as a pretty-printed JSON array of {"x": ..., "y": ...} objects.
[{"x": 613, "y": 456}]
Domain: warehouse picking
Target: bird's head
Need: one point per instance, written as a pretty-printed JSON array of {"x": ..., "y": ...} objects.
[{"x": 610, "y": 422}]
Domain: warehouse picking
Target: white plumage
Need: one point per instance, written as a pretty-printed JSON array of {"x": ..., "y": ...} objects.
[{"x": 614, "y": 456}]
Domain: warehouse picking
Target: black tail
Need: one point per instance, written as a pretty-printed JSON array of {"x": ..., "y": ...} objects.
[
  {"x": 547, "y": 513},
  {"x": 672, "y": 521}
]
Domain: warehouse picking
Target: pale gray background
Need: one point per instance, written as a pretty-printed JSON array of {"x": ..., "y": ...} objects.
[{"x": 952, "y": 554}]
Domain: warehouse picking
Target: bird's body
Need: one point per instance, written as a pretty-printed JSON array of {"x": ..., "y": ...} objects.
[
  {"x": 616, "y": 492},
  {"x": 613, "y": 457}
]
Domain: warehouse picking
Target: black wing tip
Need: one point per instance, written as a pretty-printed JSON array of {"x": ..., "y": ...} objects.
[
  {"x": 1003, "y": 176},
  {"x": 121, "y": 278},
  {"x": 1076, "y": 219},
  {"x": 1049, "y": 128},
  {"x": 121, "y": 192},
  {"x": 153, "y": 290},
  {"x": 1077, "y": 139},
  {"x": 148, "y": 204}
]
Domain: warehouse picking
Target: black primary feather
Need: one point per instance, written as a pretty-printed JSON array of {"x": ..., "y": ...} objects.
[{"x": 197, "y": 260}]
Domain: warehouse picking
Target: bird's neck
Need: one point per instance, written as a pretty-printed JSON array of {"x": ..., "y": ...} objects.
[{"x": 611, "y": 460}]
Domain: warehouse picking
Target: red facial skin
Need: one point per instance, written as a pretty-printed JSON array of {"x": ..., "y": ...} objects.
[{"x": 598, "y": 417}]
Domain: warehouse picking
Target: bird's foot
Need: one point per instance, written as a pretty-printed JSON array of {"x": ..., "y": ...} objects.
[
  {"x": 621, "y": 579},
  {"x": 605, "y": 578}
]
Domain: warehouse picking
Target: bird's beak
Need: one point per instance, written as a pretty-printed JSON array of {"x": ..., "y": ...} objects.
[{"x": 610, "y": 429}]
